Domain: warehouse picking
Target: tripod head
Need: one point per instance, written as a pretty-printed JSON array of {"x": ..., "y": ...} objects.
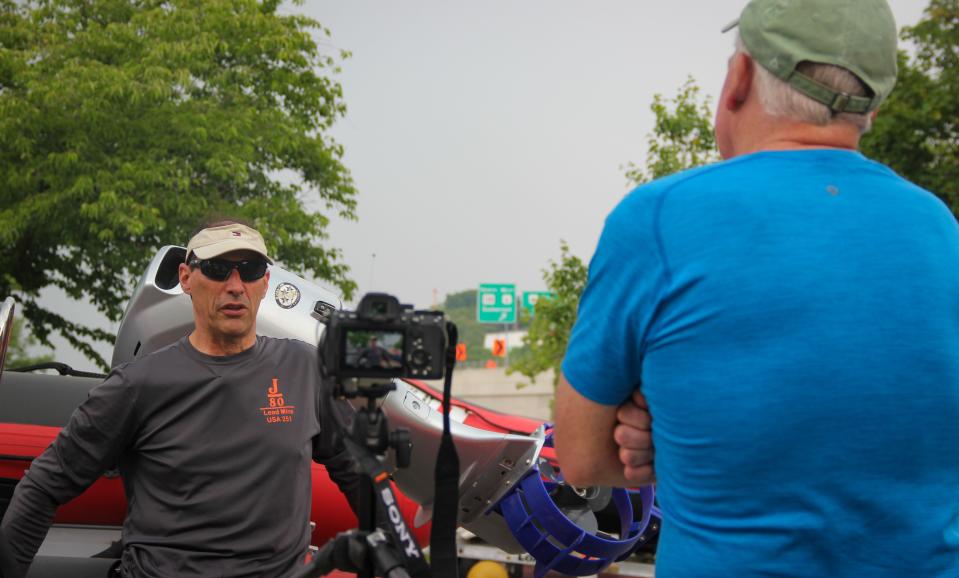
[{"x": 371, "y": 428}]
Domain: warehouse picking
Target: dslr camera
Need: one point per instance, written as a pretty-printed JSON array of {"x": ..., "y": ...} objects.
[{"x": 383, "y": 339}]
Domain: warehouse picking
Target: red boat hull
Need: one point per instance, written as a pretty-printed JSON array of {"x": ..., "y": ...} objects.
[{"x": 104, "y": 503}]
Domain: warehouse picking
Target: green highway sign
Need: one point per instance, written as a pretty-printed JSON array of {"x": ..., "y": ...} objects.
[
  {"x": 496, "y": 303},
  {"x": 531, "y": 297}
]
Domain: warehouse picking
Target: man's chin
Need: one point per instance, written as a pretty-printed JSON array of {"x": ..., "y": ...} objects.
[{"x": 234, "y": 328}]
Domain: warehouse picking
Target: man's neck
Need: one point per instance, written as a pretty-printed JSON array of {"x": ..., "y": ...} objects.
[
  {"x": 780, "y": 135},
  {"x": 221, "y": 347}
]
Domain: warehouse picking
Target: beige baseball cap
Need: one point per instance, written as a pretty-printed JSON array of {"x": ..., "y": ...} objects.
[{"x": 215, "y": 241}]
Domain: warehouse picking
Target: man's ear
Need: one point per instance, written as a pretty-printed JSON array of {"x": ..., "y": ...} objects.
[
  {"x": 739, "y": 82},
  {"x": 184, "y": 273}
]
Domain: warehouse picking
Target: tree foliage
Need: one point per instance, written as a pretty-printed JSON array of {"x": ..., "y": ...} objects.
[
  {"x": 554, "y": 318},
  {"x": 917, "y": 130},
  {"x": 123, "y": 123},
  {"x": 18, "y": 349},
  {"x": 682, "y": 138}
]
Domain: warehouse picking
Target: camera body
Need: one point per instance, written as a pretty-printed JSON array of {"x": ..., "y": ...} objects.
[{"x": 383, "y": 339}]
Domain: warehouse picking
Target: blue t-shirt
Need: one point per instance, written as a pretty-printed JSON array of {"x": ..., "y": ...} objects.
[{"x": 793, "y": 320}]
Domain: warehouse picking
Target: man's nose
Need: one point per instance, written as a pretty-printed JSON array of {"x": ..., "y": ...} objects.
[{"x": 233, "y": 283}]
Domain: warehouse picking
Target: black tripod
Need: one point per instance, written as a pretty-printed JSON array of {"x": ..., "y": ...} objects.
[
  {"x": 393, "y": 553},
  {"x": 369, "y": 551}
]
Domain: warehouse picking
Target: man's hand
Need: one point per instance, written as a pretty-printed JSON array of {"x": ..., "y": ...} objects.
[{"x": 634, "y": 438}]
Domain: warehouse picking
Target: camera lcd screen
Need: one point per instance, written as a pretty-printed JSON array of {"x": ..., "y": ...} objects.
[{"x": 373, "y": 351}]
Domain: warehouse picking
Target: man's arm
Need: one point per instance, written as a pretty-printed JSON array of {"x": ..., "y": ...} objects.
[
  {"x": 600, "y": 444},
  {"x": 583, "y": 435},
  {"x": 615, "y": 327},
  {"x": 26, "y": 521},
  {"x": 89, "y": 444},
  {"x": 329, "y": 450},
  {"x": 8, "y": 564}
]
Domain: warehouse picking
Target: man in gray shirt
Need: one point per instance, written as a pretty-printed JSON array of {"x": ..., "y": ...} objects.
[{"x": 213, "y": 435}]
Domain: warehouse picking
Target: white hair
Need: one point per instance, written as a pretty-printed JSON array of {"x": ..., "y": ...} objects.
[{"x": 780, "y": 99}]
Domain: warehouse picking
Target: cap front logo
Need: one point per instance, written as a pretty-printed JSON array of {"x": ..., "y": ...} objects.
[{"x": 236, "y": 233}]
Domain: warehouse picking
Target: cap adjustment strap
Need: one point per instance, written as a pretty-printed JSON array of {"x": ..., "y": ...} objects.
[{"x": 837, "y": 102}]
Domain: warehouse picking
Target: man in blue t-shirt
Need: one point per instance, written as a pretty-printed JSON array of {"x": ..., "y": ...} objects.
[{"x": 791, "y": 317}]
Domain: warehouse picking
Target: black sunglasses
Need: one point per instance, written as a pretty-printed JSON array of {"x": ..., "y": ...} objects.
[{"x": 221, "y": 269}]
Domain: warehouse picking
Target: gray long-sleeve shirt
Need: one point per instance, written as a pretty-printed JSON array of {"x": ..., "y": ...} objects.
[{"x": 215, "y": 456}]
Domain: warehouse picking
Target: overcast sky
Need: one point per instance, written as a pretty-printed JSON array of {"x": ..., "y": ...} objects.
[{"x": 480, "y": 134}]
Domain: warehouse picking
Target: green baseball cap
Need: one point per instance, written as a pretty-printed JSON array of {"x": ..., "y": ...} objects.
[{"x": 858, "y": 35}]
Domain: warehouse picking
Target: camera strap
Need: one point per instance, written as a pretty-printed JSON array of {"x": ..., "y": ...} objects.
[{"x": 447, "y": 477}]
